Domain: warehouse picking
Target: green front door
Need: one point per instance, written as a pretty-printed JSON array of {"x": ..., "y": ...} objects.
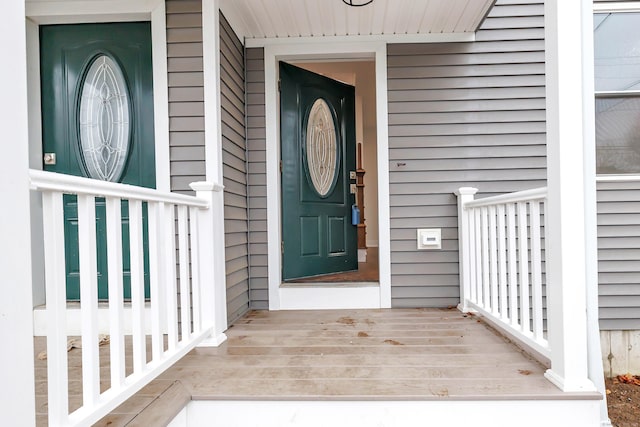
[
  {"x": 97, "y": 122},
  {"x": 317, "y": 129}
]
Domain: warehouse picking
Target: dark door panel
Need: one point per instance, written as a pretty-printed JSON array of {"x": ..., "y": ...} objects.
[
  {"x": 111, "y": 106},
  {"x": 317, "y": 127}
]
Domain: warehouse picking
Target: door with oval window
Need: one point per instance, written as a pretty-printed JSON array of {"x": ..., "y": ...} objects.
[
  {"x": 317, "y": 132},
  {"x": 97, "y": 122}
]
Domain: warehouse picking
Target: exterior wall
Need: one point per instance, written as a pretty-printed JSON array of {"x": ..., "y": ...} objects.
[
  {"x": 619, "y": 272},
  {"x": 461, "y": 114},
  {"x": 256, "y": 155},
  {"x": 186, "y": 130},
  {"x": 234, "y": 171},
  {"x": 619, "y": 254},
  {"x": 186, "y": 93}
]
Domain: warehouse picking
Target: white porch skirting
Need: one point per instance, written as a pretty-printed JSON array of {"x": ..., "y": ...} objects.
[{"x": 526, "y": 413}]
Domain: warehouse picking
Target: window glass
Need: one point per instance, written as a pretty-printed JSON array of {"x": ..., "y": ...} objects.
[
  {"x": 104, "y": 120},
  {"x": 617, "y": 84},
  {"x": 321, "y": 148},
  {"x": 618, "y": 135},
  {"x": 617, "y": 51}
]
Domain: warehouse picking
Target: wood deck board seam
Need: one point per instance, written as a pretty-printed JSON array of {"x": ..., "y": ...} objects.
[{"x": 410, "y": 398}]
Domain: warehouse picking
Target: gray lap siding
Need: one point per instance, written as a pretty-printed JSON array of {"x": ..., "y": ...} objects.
[{"x": 460, "y": 114}]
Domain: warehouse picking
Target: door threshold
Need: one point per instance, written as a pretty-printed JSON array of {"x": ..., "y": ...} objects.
[{"x": 329, "y": 296}]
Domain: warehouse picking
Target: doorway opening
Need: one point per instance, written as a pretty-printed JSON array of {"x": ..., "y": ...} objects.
[{"x": 361, "y": 75}]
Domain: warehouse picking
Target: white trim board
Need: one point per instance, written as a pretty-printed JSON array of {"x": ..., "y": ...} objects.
[
  {"x": 618, "y": 178},
  {"x": 621, "y": 6},
  {"x": 315, "y": 49},
  {"x": 368, "y": 38},
  {"x": 329, "y": 296}
]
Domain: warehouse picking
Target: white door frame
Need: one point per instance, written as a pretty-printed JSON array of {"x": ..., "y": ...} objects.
[
  {"x": 42, "y": 12},
  {"x": 308, "y": 296}
]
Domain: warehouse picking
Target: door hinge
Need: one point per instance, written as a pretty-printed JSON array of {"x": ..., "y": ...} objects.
[
  {"x": 282, "y": 246},
  {"x": 279, "y": 85},
  {"x": 280, "y": 166}
]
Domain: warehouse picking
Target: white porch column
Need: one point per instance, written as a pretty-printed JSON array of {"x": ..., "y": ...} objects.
[
  {"x": 213, "y": 151},
  {"x": 569, "y": 183},
  {"x": 17, "y": 398},
  {"x": 594, "y": 349}
]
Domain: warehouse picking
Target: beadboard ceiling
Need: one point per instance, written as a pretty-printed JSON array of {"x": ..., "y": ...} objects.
[{"x": 270, "y": 19}]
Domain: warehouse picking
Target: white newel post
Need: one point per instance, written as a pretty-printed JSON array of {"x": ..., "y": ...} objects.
[
  {"x": 567, "y": 253},
  {"x": 17, "y": 398},
  {"x": 465, "y": 194},
  {"x": 211, "y": 262}
]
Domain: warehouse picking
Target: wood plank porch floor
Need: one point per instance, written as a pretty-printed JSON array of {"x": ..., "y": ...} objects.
[{"x": 397, "y": 354}]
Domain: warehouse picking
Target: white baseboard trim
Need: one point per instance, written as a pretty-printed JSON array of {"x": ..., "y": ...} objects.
[{"x": 328, "y": 296}]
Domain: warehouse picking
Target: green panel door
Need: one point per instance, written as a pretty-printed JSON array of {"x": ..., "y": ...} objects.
[
  {"x": 97, "y": 118},
  {"x": 317, "y": 128}
]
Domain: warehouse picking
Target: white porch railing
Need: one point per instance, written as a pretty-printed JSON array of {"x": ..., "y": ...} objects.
[
  {"x": 178, "y": 317},
  {"x": 501, "y": 263}
]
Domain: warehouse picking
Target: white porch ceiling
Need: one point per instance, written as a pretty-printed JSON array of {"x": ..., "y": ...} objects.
[{"x": 271, "y": 19}]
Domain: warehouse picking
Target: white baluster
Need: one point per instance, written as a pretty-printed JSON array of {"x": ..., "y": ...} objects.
[
  {"x": 486, "y": 287},
  {"x": 493, "y": 260},
  {"x": 116, "y": 295},
  {"x": 137, "y": 286},
  {"x": 478, "y": 251},
  {"x": 512, "y": 264},
  {"x": 169, "y": 271},
  {"x": 157, "y": 280},
  {"x": 536, "y": 271},
  {"x": 502, "y": 263},
  {"x": 56, "y": 294},
  {"x": 88, "y": 299},
  {"x": 185, "y": 292},
  {"x": 523, "y": 267},
  {"x": 194, "y": 232}
]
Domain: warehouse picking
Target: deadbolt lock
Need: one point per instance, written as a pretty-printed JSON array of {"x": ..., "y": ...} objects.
[{"x": 352, "y": 175}]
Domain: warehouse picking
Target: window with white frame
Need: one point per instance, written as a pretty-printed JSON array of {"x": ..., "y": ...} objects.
[{"x": 617, "y": 85}]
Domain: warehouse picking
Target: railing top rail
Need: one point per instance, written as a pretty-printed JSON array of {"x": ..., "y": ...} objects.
[
  {"x": 50, "y": 181},
  {"x": 519, "y": 196}
]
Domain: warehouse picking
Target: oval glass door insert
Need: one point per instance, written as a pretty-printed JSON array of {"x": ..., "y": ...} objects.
[
  {"x": 104, "y": 119},
  {"x": 321, "y": 148}
]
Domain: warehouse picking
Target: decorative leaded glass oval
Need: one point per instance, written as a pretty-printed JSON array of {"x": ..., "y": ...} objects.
[
  {"x": 321, "y": 148},
  {"x": 104, "y": 119}
]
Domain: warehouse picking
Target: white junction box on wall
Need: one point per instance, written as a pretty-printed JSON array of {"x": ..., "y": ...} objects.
[{"x": 429, "y": 238}]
